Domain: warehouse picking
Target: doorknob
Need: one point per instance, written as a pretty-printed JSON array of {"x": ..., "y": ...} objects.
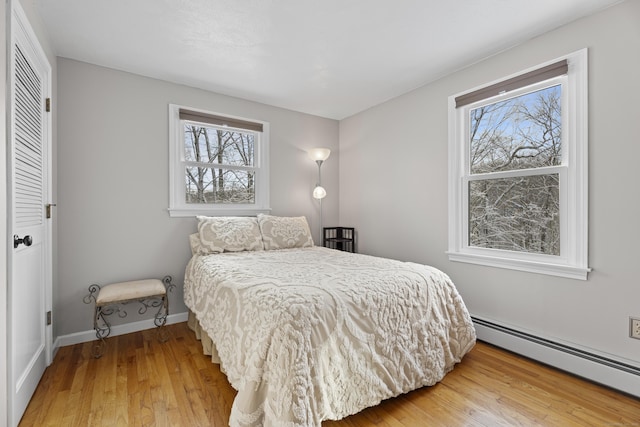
[{"x": 26, "y": 240}]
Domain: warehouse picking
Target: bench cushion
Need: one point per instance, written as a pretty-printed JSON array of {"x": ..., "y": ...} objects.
[{"x": 125, "y": 291}]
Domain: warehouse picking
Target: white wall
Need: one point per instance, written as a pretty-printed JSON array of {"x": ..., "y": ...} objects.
[
  {"x": 393, "y": 189},
  {"x": 113, "y": 180}
]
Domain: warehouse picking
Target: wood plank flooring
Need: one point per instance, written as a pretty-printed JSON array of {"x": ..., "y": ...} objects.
[{"x": 142, "y": 382}]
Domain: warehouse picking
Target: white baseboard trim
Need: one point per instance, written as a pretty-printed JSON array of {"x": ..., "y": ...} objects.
[
  {"x": 604, "y": 370},
  {"x": 127, "y": 328}
]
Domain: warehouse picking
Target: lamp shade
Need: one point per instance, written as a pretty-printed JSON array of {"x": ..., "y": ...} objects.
[
  {"x": 319, "y": 192},
  {"x": 319, "y": 154}
]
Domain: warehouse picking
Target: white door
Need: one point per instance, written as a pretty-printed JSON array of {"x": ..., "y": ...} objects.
[{"x": 29, "y": 290}]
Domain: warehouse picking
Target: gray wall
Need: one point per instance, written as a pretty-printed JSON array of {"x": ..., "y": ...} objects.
[
  {"x": 393, "y": 188},
  {"x": 113, "y": 183}
]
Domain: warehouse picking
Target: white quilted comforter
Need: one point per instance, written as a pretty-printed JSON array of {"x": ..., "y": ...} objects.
[{"x": 311, "y": 334}]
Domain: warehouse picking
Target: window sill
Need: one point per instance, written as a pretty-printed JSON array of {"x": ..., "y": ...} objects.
[
  {"x": 561, "y": 270},
  {"x": 216, "y": 211}
]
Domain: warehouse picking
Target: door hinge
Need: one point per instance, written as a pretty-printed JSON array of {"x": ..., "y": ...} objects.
[
  {"x": 48, "y": 317},
  {"x": 47, "y": 105},
  {"x": 48, "y": 209}
]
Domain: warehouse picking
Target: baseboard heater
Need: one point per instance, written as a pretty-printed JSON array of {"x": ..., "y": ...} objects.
[{"x": 610, "y": 372}]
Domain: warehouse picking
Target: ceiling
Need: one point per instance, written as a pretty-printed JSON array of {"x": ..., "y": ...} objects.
[{"x": 331, "y": 58}]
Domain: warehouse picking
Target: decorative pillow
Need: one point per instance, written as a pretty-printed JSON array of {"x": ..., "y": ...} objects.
[
  {"x": 229, "y": 234},
  {"x": 194, "y": 242},
  {"x": 284, "y": 232}
]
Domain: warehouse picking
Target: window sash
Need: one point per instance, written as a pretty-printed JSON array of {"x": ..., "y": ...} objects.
[
  {"x": 547, "y": 170},
  {"x": 230, "y": 193},
  {"x": 256, "y": 142},
  {"x": 466, "y": 110},
  {"x": 561, "y": 172},
  {"x": 219, "y": 166}
]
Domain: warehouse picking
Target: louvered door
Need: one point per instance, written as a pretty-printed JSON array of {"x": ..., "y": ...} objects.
[
  {"x": 28, "y": 159},
  {"x": 30, "y": 275}
]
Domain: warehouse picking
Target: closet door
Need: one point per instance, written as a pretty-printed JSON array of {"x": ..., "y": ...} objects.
[{"x": 29, "y": 290}]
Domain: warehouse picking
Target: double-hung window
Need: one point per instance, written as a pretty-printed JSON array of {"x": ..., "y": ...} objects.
[
  {"x": 218, "y": 164},
  {"x": 518, "y": 171}
]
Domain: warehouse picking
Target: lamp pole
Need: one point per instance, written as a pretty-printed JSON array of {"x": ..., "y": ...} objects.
[
  {"x": 319, "y": 162},
  {"x": 319, "y": 155}
]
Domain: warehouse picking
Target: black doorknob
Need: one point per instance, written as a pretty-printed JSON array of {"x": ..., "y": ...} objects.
[{"x": 26, "y": 240}]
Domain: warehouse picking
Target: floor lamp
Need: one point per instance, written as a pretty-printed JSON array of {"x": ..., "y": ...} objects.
[{"x": 319, "y": 155}]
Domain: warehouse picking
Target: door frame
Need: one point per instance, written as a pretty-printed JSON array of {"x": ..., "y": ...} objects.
[
  {"x": 19, "y": 28},
  {"x": 5, "y": 18}
]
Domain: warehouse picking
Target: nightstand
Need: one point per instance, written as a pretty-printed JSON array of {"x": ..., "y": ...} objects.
[{"x": 340, "y": 238}]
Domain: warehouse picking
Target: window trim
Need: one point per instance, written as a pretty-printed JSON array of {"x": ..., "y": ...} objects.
[
  {"x": 573, "y": 259},
  {"x": 177, "y": 204}
]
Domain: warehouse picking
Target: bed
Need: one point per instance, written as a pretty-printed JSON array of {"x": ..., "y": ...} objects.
[{"x": 305, "y": 333}]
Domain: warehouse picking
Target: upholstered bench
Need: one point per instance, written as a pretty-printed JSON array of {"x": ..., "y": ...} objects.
[{"x": 110, "y": 299}]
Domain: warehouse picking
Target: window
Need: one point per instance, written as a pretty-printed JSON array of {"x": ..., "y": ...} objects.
[
  {"x": 518, "y": 171},
  {"x": 218, "y": 164}
]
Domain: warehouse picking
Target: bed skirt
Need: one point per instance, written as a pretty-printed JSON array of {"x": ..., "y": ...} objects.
[{"x": 208, "y": 348}]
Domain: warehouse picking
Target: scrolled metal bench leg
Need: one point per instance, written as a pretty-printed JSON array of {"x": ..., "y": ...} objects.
[
  {"x": 103, "y": 329},
  {"x": 161, "y": 319}
]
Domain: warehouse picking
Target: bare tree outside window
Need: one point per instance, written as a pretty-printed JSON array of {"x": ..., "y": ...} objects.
[
  {"x": 518, "y": 212},
  {"x": 220, "y": 165}
]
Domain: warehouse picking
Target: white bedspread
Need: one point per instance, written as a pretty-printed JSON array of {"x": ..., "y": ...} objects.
[{"x": 311, "y": 334}]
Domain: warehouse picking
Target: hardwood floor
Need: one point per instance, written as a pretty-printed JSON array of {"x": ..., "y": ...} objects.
[{"x": 141, "y": 382}]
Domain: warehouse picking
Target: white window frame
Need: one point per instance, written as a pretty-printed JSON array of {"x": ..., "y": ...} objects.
[
  {"x": 573, "y": 259},
  {"x": 178, "y": 207}
]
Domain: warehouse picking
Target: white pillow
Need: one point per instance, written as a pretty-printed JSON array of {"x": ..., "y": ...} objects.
[
  {"x": 229, "y": 234},
  {"x": 280, "y": 232},
  {"x": 194, "y": 242}
]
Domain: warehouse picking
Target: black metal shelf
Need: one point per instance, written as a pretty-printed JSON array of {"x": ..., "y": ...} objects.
[{"x": 340, "y": 238}]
